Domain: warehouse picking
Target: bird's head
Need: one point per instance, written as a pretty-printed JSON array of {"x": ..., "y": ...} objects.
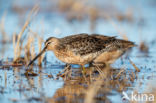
[{"x": 50, "y": 44}]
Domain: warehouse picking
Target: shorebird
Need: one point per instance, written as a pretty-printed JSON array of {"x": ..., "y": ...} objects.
[{"x": 82, "y": 48}]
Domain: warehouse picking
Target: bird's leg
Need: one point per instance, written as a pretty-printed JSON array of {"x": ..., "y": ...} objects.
[
  {"x": 84, "y": 72},
  {"x": 83, "y": 69},
  {"x": 67, "y": 66}
]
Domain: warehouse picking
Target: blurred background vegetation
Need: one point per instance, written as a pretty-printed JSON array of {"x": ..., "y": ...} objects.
[{"x": 21, "y": 20}]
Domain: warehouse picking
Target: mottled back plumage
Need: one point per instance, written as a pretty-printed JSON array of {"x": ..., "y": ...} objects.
[{"x": 84, "y": 44}]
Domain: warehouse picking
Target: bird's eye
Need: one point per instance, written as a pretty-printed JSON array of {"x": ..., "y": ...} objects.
[{"x": 48, "y": 43}]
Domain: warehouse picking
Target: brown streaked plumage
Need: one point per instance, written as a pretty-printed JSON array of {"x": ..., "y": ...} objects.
[
  {"x": 115, "y": 49},
  {"x": 83, "y": 48}
]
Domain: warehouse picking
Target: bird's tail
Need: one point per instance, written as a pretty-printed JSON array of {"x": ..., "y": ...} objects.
[{"x": 126, "y": 44}]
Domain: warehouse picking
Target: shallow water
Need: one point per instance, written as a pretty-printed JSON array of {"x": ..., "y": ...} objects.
[{"x": 45, "y": 87}]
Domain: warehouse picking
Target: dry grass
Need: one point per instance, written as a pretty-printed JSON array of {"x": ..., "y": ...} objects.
[
  {"x": 2, "y": 29},
  {"x": 3, "y": 36},
  {"x": 29, "y": 48},
  {"x": 18, "y": 44},
  {"x": 136, "y": 68},
  {"x": 143, "y": 47}
]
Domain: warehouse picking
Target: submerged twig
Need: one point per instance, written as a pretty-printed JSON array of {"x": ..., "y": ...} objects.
[{"x": 136, "y": 68}]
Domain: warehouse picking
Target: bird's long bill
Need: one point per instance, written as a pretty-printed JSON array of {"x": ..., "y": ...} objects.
[{"x": 44, "y": 49}]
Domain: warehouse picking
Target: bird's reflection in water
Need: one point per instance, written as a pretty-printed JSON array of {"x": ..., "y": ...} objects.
[{"x": 97, "y": 85}]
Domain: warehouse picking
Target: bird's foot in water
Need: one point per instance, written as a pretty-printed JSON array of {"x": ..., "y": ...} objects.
[{"x": 64, "y": 71}]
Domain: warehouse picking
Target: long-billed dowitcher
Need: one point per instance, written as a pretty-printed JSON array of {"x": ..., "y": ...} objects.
[{"x": 83, "y": 48}]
